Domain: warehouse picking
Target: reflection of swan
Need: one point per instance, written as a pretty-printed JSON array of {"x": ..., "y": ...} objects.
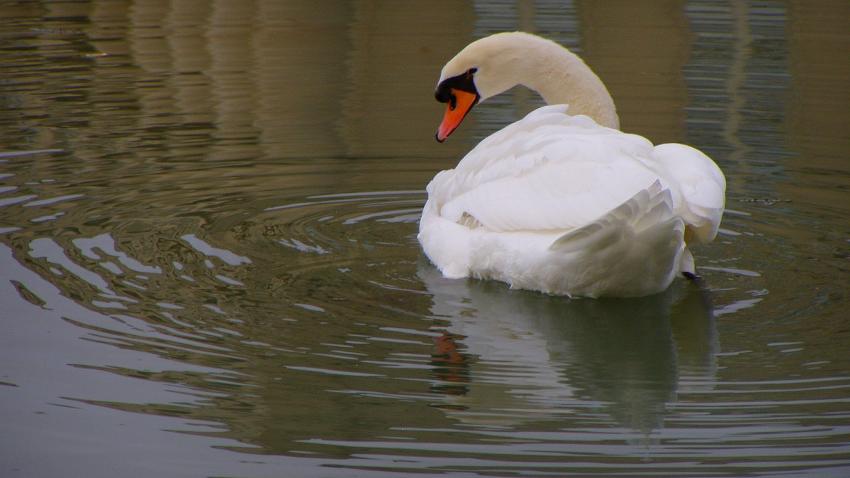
[
  {"x": 559, "y": 203},
  {"x": 531, "y": 357}
]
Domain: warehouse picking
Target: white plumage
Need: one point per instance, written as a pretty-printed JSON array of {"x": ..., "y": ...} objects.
[{"x": 559, "y": 204}]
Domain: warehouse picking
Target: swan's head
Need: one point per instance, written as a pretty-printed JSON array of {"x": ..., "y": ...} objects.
[
  {"x": 493, "y": 64},
  {"x": 460, "y": 95},
  {"x": 485, "y": 68}
]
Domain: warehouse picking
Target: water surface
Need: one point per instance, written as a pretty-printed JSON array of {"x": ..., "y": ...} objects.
[{"x": 208, "y": 217}]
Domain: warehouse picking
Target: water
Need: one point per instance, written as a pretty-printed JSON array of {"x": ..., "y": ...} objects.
[{"x": 209, "y": 265}]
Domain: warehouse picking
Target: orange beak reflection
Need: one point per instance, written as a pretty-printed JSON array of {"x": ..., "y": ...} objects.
[{"x": 455, "y": 112}]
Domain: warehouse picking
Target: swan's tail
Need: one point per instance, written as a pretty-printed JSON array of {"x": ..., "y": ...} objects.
[
  {"x": 638, "y": 245},
  {"x": 702, "y": 187}
]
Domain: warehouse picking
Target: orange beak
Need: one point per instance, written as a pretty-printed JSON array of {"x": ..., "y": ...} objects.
[{"x": 455, "y": 112}]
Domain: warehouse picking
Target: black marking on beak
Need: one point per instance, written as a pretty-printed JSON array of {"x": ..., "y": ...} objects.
[{"x": 463, "y": 82}]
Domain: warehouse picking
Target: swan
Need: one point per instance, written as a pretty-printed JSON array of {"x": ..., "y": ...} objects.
[{"x": 562, "y": 201}]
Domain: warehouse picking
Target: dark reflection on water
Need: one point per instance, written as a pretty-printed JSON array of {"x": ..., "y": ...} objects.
[
  {"x": 617, "y": 356},
  {"x": 208, "y": 262}
]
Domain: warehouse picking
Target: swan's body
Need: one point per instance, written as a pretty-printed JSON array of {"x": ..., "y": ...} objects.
[{"x": 560, "y": 203}]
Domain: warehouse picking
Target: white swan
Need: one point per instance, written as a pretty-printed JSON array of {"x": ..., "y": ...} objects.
[{"x": 562, "y": 203}]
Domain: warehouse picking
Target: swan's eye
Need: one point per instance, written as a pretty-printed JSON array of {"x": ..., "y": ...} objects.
[{"x": 470, "y": 72}]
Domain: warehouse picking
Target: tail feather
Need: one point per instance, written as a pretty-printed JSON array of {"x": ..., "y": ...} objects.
[{"x": 702, "y": 187}]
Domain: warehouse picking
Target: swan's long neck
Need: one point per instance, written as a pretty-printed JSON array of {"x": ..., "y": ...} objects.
[
  {"x": 560, "y": 76},
  {"x": 504, "y": 60}
]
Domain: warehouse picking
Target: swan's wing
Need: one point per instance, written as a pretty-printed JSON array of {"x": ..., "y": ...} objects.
[
  {"x": 701, "y": 187},
  {"x": 546, "y": 172},
  {"x": 633, "y": 249},
  {"x": 647, "y": 208}
]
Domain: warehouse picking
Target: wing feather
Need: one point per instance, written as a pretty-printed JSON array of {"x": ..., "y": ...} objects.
[
  {"x": 549, "y": 171},
  {"x": 555, "y": 172}
]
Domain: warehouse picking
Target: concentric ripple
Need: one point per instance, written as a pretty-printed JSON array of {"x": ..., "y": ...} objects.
[{"x": 257, "y": 315}]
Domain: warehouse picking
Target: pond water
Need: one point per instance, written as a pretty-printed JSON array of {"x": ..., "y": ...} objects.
[{"x": 209, "y": 265}]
